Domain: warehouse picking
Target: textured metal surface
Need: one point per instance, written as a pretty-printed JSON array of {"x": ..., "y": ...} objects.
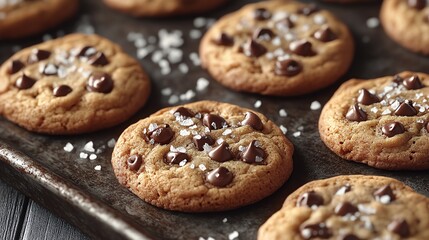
[{"x": 93, "y": 200}]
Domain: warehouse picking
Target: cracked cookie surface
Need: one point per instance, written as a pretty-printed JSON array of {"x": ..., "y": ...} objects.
[
  {"x": 75, "y": 84},
  {"x": 201, "y": 157},
  {"x": 382, "y": 122}
]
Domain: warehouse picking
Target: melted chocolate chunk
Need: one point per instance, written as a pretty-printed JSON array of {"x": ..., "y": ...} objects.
[
  {"x": 221, "y": 153},
  {"x": 400, "y": 227},
  {"x": 16, "y": 66},
  {"x": 254, "y": 49},
  {"x": 288, "y": 67},
  {"x": 285, "y": 23},
  {"x": 134, "y": 162},
  {"x": 356, "y": 114},
  {"x": 367, "y": 98},
  {"x": 200, "y": 141},
  {"x": 325, "y": 34},
  {"x": 417, "y": 4},
  {"x": 100, "y": 82},
  {"x": 220, "y": 177},
  {"x": 87, "y": 51},
  {"x": 50, "y": 69},
  {"x": 61, "y": 91},
  {"x": 349, "y": 236},
  {"x": 385, "y": 193},
  {"x": 397, "y": 79},
  {"x": 253, "y": 120},
  {"x": 345, "y": 208},
  {"x": 308, "y": 10},
  {"x": 38, "y": 55},
  {"x": 310, "y": 199},
  {"x": 183, "y": 112},
  {"x": 316, "y": 231},
  {"x": 252, "y": 154},
  {"x": 392, "y": 129},
  {"x": 161, "y": 135},
  {"x": 263, "y": 33},
  {"x": 406, "y": 109},
  {"x": 261, "y": 14},
  {"x": 99, "y": 59},
  {"x": 24, "y": 82},
  {"x": 302, "y": 48},
  {"x": 224, "y": 40},
  {"x": 213, "y": 121},
  {"x": 175, "y": 157},
  {"x": 412, "y": 83}
]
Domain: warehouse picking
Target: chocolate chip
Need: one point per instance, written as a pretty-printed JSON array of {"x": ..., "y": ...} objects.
[
  {"x": 252, "y": 153},
  {"x": 261, "y": 14},
  {"x": 285, "y": 24},
  {"x": 161, "y": 135},
  {"x": 38, "y": 55},
  {"x": 98, "y": 59},
  {"x": 406, "y": 109},
  {"x": 384, "y": 194},
  {"x": 325, "y": 34},
  {"x": 308, "y": 10},
  {"x": 367, "y": 98},
  {"x": 25, "y": 82},
  {"x": 288, "y": 67},
  {"x": 412, "y": 83},
  {"x": 427, "y": 126},
  {"x": 263, "y": 33},
  {"x": 134, "y": 162},
  {"x": 200, "y": 141},
  {"x": 87, "y": 51},
  {"x": 49, "y": 69},
  {"x": 310, "y": 199},
  {"x": 349, "y": 236},
  {"x": 221, "y": 153},
  {"x": 220, "y": 177},
  {"x": 400, "y": 227},
  {"x": 417, "y": 4},
  {"x": 16, "y": 66},
  {"x": 100, "y": 82},
  {"x": 392, "y": 129},
  {"x": 224, "y": 40},
  {"x": 253, "y": 120},
  {"x": 302, "y": 48},
  {"x": 356, "y": 114},
  {"x": 345, "y": 208},
  {"x": 214, "y": 122},
  {"x": 318, "y": 230},
  {"x": 254, "y": 49},
  {"x": 175, "y": 157},
  {"x": 62, "y": 90},
  {"x": 183, "y": 112}
]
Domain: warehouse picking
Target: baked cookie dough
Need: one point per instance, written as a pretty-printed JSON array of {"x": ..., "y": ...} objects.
[
  {"x": 202, "y": 157},
  {"x": 351, "y": 208},
  {"x": 159, "y": 8},
  {"x": 382, "y": 122},
  {"x": 75, "y": 84},
  {"x": 407, "y": 23},
  {"x": 277, "y": 48},
  {"x": 21, "y": 18}
]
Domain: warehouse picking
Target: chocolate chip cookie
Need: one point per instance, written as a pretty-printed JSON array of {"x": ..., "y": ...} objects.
[
  {"x": 159, "y": 8},
  {"x": 201, "y": 157},
  {"x": 351, "y": 208},
  {"x": 407, "y": 22},
  {"x": 277, "y": 48},
  {"x": 382, "y": 122},
  {"x": 21, "y": 18},
  {"x": 75, "y": 84}
]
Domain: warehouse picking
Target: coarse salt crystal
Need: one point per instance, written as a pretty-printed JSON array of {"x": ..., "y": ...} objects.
[
  {"x": 202, "y": 167},
  {"x": 374, "y": 109},
  {"x": 258, "y": 104},
  {"x": 111, "y": 143},
  {"x": 227, "y": 132},
  {"x": 319, "y": 19},
  {"x": 225, "y": 220},
  {"x": 282, "y": 113},
  {"x": 386, "y": 112},
  {"x": 140, "y": 42},
  {"x": 183, "y": 162},
  {"x": 143, "y": 52},
  {"x": 83, "y": 155},
  {"x": 372, "y": 22},
  {"x": 233, "y": 235},
  {"x": 202, "y": 84},
  {"x": 195, "y": 34},
  {"x": 199, "y": 22},
  {"x": 89, "y": 147},
  {"x": 184, "y": 132},
  {"x": 300, "y": 128},
  {"x": 152, "y": 127},
  {"x": 186, "y": 122},
  {"x": 68, "y": 147},
  {"x": 183, "y": 68},
  {"x": 175, "y": 55},
  {"x": 92, "y": 156},
  {"x": 207, "y": 148},
  {"x": 97, "y": 168},
  {"x": 192, "y": 166},
  {"x": 188, "y": 95},
  {"x": 283, "y": 128},
  {"x": 173, "y": 99},
  {"x": 315, "y": 105},
  {"x": 297, "y": 134},
  {"x": 193, "y": 56},
  {"x": 166, "y": 91}
]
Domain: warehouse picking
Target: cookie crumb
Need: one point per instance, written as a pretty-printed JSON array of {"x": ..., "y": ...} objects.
[
  {"x": 97, "y": 168},
  {"x": 258, "y": 104},
  {"x": 111, "y": 143},
  {"x": 315, "y": 105},
  {"x": 282, "y": 113},
  {"x": 372, "y": 22},
  {"x": 233, "y": 235},
  {"x": 68, "y": 147}
]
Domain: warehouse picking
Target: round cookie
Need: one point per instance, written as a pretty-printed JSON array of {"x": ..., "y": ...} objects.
[
  {"x": 202, "y": 157},
  {"x": 407, "y": 22},
  {"x": 277, "y": 48},
  {"x": 159, "y": 8},
  {"x": 350, "y": 208},
  {"x": 21, "y": 18},
  {"x": 381, "y": 122},
  {"x": 75, "y": 84}
]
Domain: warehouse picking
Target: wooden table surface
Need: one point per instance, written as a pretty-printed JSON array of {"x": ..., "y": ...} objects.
[{"x": 21, "y": 218}]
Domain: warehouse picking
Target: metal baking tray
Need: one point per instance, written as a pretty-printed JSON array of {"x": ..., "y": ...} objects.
[{"x": 93, "y": 200}]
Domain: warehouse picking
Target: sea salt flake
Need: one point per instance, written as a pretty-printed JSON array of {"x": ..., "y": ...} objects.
[
  {"x": 300, "y": 128},
  {"x": 195, "y": 34},
  {"x": 241, "y": 148},
  {"x": 315, "y": 105},
  {"x": 186, "y": 122},
  {"x": 68, "y": 147},
  {"x": 152, "y": 127},
  {"x": 111, "y": 143},
  {"x": 276, "y": 41},
  {"x": 227, "y": 132},
  {"x": 166, "y": 91},
  {"x": 374, "y": 109},
  {"x": 97, "y": 168},
  {"x": 233, "y": 235},
  {"x": 184, "y": 132},
  {"x": 193, "y": 56},
  {"x": 183, "y": 162},
  {"x": 192, "y": 166},
  {"x": 183, "y": 68},
  {"x": 83, "y": 155},
  {"x": 202, "y": 167},
  {"x": 175, "y": 55},
  {"x": 386, "y": 112},
  {"x": 283, "y": 128},
  {"x": 297, "y": 134},
  {"x": 202, "y": 84},
  {"x": 143, "y": 52},
  {"x": 282, "y": 113},
  {"x": 258, "y": 159},
  {"x": 92, "y": 156},
  {"x": 173, "y": 99},
  {"x": 89, "y": 147},
  {"x": 200, "y": 22},
  {"x": 372, "y": 22},
  {"x": 385, "y": 199},
  {"x": 366, "y": 209},
  {"x": 319, "y": 19},
  {"x": 258, "y": 104},
  {"x": 188, "y": 95},
  {"x": 225, "y": 220}
]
